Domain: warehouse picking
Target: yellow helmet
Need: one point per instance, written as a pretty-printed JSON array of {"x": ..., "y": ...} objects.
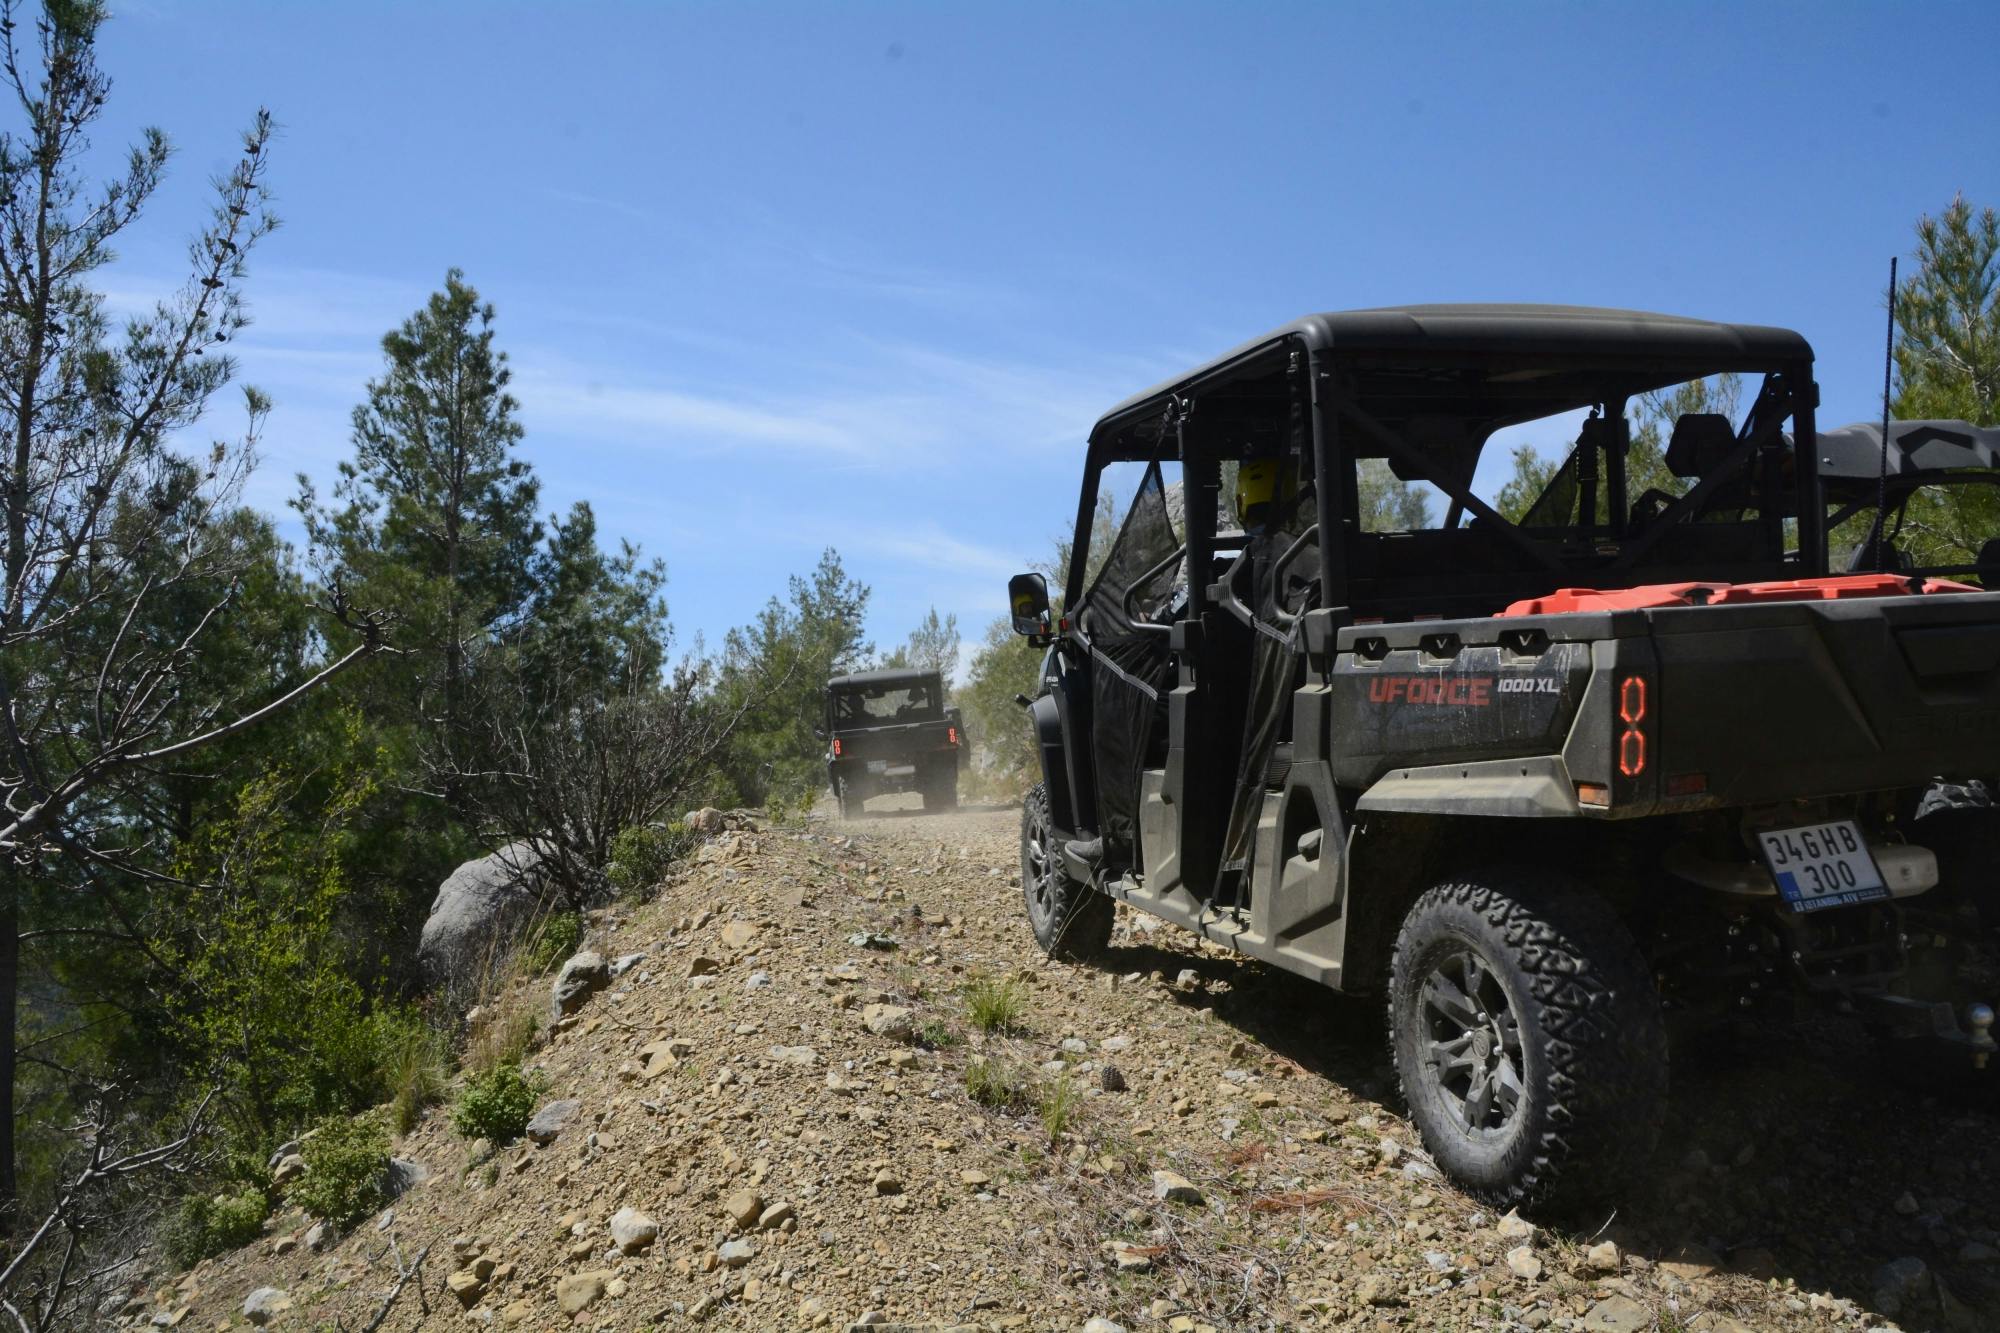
[{"x": 1259, "y": 483}]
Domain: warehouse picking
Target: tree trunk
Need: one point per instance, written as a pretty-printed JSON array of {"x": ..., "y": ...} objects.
[{"x": 10, "y": 991}]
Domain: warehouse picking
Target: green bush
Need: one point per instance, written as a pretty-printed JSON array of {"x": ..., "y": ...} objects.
[
  {"x": 555, "y": 942},
  {"x": 346, "y": 1159},
  {"x": 496, "y": 1105},
  {"x": 202, "y": 1227},
  {"x": 641, "y": 857},
  {"x": 998, "y": 1086},
  {"x": 937, "y": 1035},
  {"x": 995, "y": 1004}
]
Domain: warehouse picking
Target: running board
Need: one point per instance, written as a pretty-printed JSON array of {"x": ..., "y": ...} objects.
[{"x": 1227, "y": 926}]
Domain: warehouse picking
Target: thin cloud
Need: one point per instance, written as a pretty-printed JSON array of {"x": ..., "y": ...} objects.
[
  {"x": 933, "y": 548},
  {"x": 596, "y": 408}
]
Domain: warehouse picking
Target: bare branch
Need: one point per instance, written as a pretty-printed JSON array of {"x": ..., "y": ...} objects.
[
  {"x": 100, "y": 1166},
  {"x": 404, "y": 1276}
]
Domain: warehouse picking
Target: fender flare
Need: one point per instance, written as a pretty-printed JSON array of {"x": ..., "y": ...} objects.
[{"x": 1052, "y": 753}]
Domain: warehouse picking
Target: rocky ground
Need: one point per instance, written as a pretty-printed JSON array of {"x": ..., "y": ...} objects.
[{"x": 763, "y": 1122}]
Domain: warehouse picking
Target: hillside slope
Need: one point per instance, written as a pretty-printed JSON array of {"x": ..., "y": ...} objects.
[{"x": 809, "y": 1157}]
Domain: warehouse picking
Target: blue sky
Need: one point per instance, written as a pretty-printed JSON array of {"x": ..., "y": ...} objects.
[{"x": 777, "y": 277}]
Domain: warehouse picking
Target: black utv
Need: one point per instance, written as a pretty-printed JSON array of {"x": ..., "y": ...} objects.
[
  {"x": 889, "y": 731},
  {"x": 1540, "y": 782}
]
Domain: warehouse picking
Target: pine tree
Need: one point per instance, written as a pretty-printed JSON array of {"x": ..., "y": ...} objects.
[
  {"x": 437, "y": 517},
  {"x": 777, "y": 667},
  {"x": 1948, "y": 366},
  {"x": 1948, "y": 319},
  {"x": 932, "y": 646},
  {"x": 596, "y": 621}
]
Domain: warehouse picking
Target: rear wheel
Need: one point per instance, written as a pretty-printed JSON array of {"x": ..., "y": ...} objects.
[
  {"x": 850, "y": 800},
  {"x": 1071, "y": 921},
  {"x": 1961, "y": 826},
  {"x": 1951, "y": 951},
  {"x": 941, "y": 790},
  {"x": 1528, "y": 1039}
]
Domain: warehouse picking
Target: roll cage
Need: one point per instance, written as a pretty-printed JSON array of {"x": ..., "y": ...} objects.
[{"x": 1326, "y": 403}]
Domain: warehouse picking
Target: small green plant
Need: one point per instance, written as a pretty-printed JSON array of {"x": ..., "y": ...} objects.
[
  {"x": 642, "y": 855},
  {"x": 555, "y": 942},
  {"x": 202, "y": 1227},
  {"x": 496, "y": 1105},
  {"x": 997, "y": 1086},
  {"x": 346, "y": 1159},
  {"x": 416, "y": 1069},
  {"x": 937, "y": 1035},
  {"x": 995, "y": 1004},
  {"x": 789, "y": 803},
  {"x": 1057, "y": 1101}
]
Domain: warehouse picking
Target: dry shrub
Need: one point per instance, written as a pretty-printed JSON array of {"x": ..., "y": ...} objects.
[{"x": 509, "y": 1013}]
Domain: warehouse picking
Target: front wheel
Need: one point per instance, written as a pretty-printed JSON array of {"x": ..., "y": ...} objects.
[
  {"x": 1528, "y": 1039},
  {"x": 1071, "y": 921}
]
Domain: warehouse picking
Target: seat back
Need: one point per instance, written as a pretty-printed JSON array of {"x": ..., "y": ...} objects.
[{"x": 1699, "y": 442}]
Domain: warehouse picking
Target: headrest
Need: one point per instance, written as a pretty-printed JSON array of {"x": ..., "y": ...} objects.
[
  {"x": 1988, "y": 563},
  {"x": 1700, "y": 441}
]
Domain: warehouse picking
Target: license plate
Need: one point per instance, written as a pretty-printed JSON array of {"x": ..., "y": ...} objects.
[{"x": 1823, "y": 865}]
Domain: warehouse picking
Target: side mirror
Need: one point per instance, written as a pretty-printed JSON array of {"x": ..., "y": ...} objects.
[{"x": 1028, "y": 595}]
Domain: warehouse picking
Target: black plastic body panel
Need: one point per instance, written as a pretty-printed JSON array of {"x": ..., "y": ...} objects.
[
  {"x": 1735, "y": 705},
  {"x": 1414, "y": 705}
]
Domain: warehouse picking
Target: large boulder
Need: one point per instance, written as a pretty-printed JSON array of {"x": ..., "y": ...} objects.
[
  {"x": 263, "y": 1305},
  {"x": 707, "y": 821},
  {"x": 476, "y": 915}
]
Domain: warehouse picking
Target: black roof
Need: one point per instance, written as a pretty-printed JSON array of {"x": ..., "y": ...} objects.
[
  {"x": 1517, "y": 330},
  {"x": 886, "y": 676}
]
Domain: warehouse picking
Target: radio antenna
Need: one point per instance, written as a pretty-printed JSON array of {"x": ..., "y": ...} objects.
[{"x": 1879, "y": 538}]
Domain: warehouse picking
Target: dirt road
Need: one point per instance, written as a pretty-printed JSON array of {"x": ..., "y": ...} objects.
[
  {"x": 810, "y": 1148},
  {"x": 1788, "y": 1159}
]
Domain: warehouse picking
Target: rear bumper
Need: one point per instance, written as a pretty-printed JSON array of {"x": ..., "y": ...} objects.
[{"x": 877, "y": 777}]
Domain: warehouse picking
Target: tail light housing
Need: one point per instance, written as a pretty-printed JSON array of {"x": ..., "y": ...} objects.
[
  {"x": 836, "y": 747},
  {"x": 951, "y": 735},
  {"x": 1633, "y": 726},
  {"x": 1629, "y": 740}
]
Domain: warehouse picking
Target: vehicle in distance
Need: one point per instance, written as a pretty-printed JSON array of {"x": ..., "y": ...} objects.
[{"x": 889, "y": 731}]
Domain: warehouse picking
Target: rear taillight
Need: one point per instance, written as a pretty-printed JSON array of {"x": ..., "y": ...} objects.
[
  {"x": 836, "y": 747},
  {"x": 1632, "y": 726},
  {"x": 951, "y": 735}
]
